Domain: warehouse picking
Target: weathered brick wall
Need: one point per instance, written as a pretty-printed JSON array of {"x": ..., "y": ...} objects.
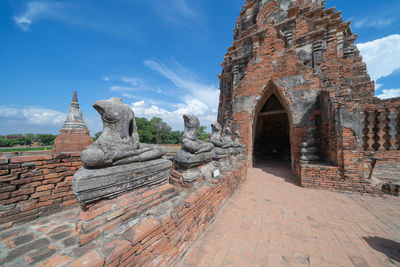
[
  {"x": 101, "y": 217},
  {"x": 296, "y": 59},
  {"x": 330, "y": 178},
  {"x": 305, "y": 55},
  {"x": 35, "y": 185},
  {"x": 138, "y": 234},
  {"x": 329, "y": 140}
]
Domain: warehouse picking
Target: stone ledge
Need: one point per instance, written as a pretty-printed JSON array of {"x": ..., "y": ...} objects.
[{"x": 94, "y": 184}]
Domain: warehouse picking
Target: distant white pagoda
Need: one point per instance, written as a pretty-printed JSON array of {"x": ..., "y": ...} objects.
[
  {"x": 74, "y": 117},
  {"x": 74, "y": 135}
]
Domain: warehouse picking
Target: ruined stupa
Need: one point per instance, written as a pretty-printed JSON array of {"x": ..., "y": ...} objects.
[{"x": 74, "y": 135}]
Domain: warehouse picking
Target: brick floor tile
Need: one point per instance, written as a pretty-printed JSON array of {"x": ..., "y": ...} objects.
[
  {"x": 269, "y": 222},
  {"x": 274, "y": 259},
  {"x": 238, "y": 260},
  {"x": 219, "y": 257},
  {"x": 316, "y": 262}
]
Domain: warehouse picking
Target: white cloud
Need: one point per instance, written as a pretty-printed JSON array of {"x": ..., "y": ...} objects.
[
  {"x": 180, "y": 13},
  {"x": 187, "y": 93},
  {"x": 33, "y": 115},
  {"x": 170, "y": 9},
  {"x": 187, "y": 81},
  {"x": 174, "y": 118},
  {"x": 35, "y": 10},
  {"x": 135, "y": 84},
  {"x": 182, "y": 7},
  {"x": 374, "y": 23},
  {"x": 389, "y": 93},
  {"x": 382, "y": 55},
  {"x": 79, "y": 14},
  {"x": 191, "y": 96},
  {"x": 106, "y": 78}
]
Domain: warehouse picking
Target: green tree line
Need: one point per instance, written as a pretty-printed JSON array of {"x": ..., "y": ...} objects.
[
  {"x": 155, "y": 131},
  {"x": 27, "y": 140}
]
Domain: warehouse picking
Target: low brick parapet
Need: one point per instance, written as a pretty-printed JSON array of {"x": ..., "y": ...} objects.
[
  {"x": 125, "y": 230},
  {"x": 34, "y": 185}
]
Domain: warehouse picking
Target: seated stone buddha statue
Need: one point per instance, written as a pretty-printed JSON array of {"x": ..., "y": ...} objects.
[{"x": 119, "y": 142}]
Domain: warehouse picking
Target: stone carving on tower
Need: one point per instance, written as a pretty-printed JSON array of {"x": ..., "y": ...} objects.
[{"x": 74, "y": 135}]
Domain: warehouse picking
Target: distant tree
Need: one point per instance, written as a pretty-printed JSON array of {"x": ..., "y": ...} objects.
[
  {"x": 4, "y": 142},
  {"x": 46, "y": 139},
  {"x": 155, "y": 131},
  {"x": 145, "y": 131},
  {"x": 28, "y": 142},
  {"x": 174, "y": 137},
  {"x": 96, "y": 136},
  {"x": 202, "y": 134},
  {"x": 30, "y": 136},
  {"x": 161, "y": 129}
]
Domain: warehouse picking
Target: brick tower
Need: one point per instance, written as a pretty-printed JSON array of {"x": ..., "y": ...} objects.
[{"x": 294, "y": 84}]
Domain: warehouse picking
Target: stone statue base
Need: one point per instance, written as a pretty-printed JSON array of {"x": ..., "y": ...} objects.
[
  {"x": 187, "y": 178},
  {"x": 238, "y": 152},
  {"x": 221, "y": 153},
  {"x": 186, "y": 160},
  {"x": 94, "y": 184}
]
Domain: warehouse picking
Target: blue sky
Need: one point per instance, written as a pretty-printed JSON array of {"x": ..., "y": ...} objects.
[{"x": 162, "y": 57}]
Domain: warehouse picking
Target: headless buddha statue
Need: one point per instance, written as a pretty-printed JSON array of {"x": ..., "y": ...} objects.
[{"x": 119, "y": 142}]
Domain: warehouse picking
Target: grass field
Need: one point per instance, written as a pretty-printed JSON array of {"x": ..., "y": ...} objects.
[{"x": 23, "y": 149}]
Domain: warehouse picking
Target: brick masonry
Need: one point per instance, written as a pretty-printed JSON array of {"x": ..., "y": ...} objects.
[
  {"x": 72, "y": 141},
  {"x": 147, "y": 227},
  {"x": 35, "y": 185},
  {"x": 305, "y": 55}
]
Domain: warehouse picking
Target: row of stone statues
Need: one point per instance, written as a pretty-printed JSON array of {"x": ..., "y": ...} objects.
[
  {"x": 117, "y": 162},
  {"x": 198, "y": 159},
  {"x": 195, "y": 152},
  {"x": 119, "y": 142}
]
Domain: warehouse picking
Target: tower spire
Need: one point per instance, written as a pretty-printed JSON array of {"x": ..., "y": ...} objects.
[
  {"x": 74, "y": 102},
  {"x": 74, "y": 117}
]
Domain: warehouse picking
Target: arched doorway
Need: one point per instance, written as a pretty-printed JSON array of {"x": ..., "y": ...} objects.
[{"x": 272, "y": 132}]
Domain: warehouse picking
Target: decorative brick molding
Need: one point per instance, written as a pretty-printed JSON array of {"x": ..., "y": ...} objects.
[{"x": 32, "y": 185}]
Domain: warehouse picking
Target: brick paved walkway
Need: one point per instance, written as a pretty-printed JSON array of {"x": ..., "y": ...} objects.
[{"x": 270, "y": 221}]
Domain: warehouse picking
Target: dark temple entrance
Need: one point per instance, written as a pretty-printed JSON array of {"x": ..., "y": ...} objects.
[{"x": 272, "y": 136}]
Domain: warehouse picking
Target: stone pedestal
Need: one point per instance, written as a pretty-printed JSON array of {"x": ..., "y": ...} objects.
[
  {"x": 188, "y": 177},
  {"x": 91, "y": 185}
]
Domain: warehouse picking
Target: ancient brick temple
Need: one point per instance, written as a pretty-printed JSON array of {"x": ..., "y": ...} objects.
[{"x": 294, "y": 84}]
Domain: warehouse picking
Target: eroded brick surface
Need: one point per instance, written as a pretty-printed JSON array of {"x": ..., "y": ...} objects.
[
  {"x": 304, "y": 55},
  {"x": 41, "y": 241},
  {"x": 36, "y": 185}
]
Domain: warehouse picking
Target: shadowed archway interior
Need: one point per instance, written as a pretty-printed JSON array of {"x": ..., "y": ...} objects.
[{"x": 272, "y": 133}]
